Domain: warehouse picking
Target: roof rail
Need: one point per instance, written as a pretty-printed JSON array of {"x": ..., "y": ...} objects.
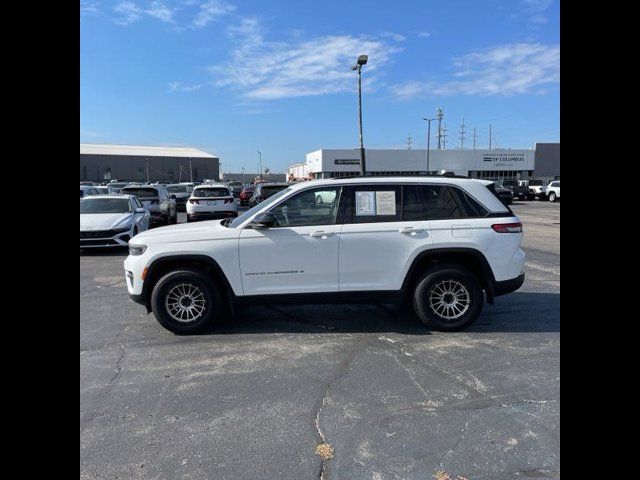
[{"x": 446, "y": 174}]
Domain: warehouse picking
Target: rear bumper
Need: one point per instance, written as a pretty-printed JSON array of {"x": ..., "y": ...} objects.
[{"x": 508, "y": 286}]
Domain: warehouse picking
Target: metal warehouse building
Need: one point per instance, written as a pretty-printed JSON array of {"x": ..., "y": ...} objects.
[
  {"x": 492, "y": 164},
  {"x": 144, "y": 163}
]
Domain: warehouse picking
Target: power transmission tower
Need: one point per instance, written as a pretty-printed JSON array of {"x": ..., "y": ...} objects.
[
  {"x": 439, "y": 116},
  {"x": 444, "y": 136},
  {"x": 489, "y": 136},
  {"x": 474, "y": 138},
  {"x": 409, "y": 141},
  {"x": 462, "y": 126}
]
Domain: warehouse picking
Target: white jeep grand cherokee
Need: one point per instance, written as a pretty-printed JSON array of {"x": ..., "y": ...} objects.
[{"x": 441, "y": 243}]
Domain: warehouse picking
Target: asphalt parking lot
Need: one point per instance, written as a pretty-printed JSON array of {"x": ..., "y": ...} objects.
[{"x": 253, "y": 399}]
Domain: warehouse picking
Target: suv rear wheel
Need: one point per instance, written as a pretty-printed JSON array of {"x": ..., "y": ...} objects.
[
  {"x": 448, "y": 297},
  {"x": 185, "y": 301}
]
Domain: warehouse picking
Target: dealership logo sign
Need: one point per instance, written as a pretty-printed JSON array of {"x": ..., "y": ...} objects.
[
  {"x": 338, "y": 161},
  {"x": 504, "y": 157}
]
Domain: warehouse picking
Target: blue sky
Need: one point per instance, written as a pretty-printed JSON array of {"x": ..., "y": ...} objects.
[{"x": 233, "y": 77}]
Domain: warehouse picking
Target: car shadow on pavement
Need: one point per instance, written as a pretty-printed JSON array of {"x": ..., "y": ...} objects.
[{"x": 518, "y": 312}]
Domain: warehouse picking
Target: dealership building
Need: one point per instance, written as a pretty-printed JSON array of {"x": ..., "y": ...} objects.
[
  {"x": 144, "y": 163},
  {"x": 492, "y": 164}
]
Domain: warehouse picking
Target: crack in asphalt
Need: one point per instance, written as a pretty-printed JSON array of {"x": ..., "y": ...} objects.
[
  {"x": 118, "y": 369},
  {"x": 460, "y": 438},
  {"x": 342, "y": 370}
]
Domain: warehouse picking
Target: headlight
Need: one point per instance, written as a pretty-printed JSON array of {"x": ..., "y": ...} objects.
[{"x": 137, "y": 249}]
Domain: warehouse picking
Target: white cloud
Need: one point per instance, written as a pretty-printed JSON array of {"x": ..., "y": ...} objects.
[
  {"x": 535, "y": 11},
  {"x": 322, "y": 65},
  {"x": 505, "y": 70},
  {"x": 210, "y": 11},
  {"x": 424, "y": 34},
  {"x": 129, "y": 12},
  {"x": 89, "y": 8},
  {"x": 181, "y": 87}
]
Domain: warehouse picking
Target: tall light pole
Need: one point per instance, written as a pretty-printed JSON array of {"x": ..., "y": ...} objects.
[
  {"x": 260, "y": 164},
  {"x": 428, "y": 120},
  {"x": 362, "y": 60}
]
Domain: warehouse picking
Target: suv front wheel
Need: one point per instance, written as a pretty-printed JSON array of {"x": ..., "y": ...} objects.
[
  {"x": 185, "y": 301},
  {"x": 448, "y": 297}
]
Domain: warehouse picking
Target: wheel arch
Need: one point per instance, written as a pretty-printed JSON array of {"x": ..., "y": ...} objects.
[
  {"x": 208, "y": 265},
  {"x": 470, "y": 258}
]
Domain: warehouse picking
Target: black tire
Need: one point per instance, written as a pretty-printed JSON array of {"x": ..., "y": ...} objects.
[
  {"x": 552, "y": 197},
  {"x": 213, "y": 301},
  {"x": 431, "y": 279}
]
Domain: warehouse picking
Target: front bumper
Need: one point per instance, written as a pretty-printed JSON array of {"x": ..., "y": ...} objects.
[
  {"x": 508, "y": 286},
  {"x": 104, "y": 238}
]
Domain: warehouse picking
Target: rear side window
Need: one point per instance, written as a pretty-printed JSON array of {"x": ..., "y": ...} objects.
[
  {"x": 374, "y": 204},
  {"x": 413, "y": 208},
  {"x": 443, "y": 202}
]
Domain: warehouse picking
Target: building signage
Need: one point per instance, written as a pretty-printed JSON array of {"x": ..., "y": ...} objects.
[
  {"x": 504, "y": 159},
  {"x": 339, "y": 161}
]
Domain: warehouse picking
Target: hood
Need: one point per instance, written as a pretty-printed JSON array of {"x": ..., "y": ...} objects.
[
  {"x": 104, "y": 221},
  {"x": 186, "y": 232}
]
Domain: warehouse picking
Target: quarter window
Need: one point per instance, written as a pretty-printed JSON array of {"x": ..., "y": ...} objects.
[
  {"x": 445, "y": 202},
  {"x": 310, "y": 207}
]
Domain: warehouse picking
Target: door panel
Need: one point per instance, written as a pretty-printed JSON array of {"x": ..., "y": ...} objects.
[
  {"x": 300, "y": 255},
  {"x": 377, "y": 243},
  {"x": 289, "y": 259}
]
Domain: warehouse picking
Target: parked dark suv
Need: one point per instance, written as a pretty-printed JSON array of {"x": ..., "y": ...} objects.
[{"x": 264, "y": 191}]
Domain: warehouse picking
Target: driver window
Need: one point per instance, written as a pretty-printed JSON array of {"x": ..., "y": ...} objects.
[{"x": 311, "y": 207}]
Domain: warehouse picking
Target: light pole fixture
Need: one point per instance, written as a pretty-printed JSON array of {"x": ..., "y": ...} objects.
[
  {"x": 362, "y": 60},
  {"x": 428, "y": 120},
  {"x": 260, "y": 164}
]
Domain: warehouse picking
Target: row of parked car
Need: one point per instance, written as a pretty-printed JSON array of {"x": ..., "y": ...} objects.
[
  {"x": 110, "y": 215},
  {"x": 508, "y": 190}
]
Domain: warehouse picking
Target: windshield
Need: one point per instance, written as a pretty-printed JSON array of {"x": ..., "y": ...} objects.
[
  {"x": 104, "y": 205},
  {"x": 140, "y": 192},
  {"x": 210, "y": 192},
  {"x": 249, "y": 213},
  {"x": 177, "y": 188},
  {"x": 535, "y": 182}
]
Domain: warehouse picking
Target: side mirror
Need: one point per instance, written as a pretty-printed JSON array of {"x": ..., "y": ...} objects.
[
  {"x": 141, "y": 210},
  {"x": 264, "y": 220}
]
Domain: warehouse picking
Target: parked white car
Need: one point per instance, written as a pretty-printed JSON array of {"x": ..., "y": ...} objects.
[
  {"x": 553, "y": 191},
  {"x": 441, "y": 244},
  {"x": 209, "y": 202},
  {"x": 111, "y": 220},
  {"x": 537, "y": 189}
]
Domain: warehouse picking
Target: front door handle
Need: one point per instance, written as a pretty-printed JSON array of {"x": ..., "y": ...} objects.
[
  {"x": 410, "y": 230},
  {"x": 321, "y": 234}
]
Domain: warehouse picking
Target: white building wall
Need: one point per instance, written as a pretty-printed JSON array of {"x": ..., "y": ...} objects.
[{"x": 460, "y": 162}]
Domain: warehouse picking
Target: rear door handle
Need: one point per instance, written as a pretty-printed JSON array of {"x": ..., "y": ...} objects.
[
  {"x": 321, "y": 234},
  {"x": 410, "y": 230}
]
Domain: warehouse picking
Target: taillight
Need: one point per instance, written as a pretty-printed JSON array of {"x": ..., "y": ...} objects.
[
  {"x": 193, "y": 200},
  {"x": 507, "y": 227},
  {"x": 228, "y": 200}
]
